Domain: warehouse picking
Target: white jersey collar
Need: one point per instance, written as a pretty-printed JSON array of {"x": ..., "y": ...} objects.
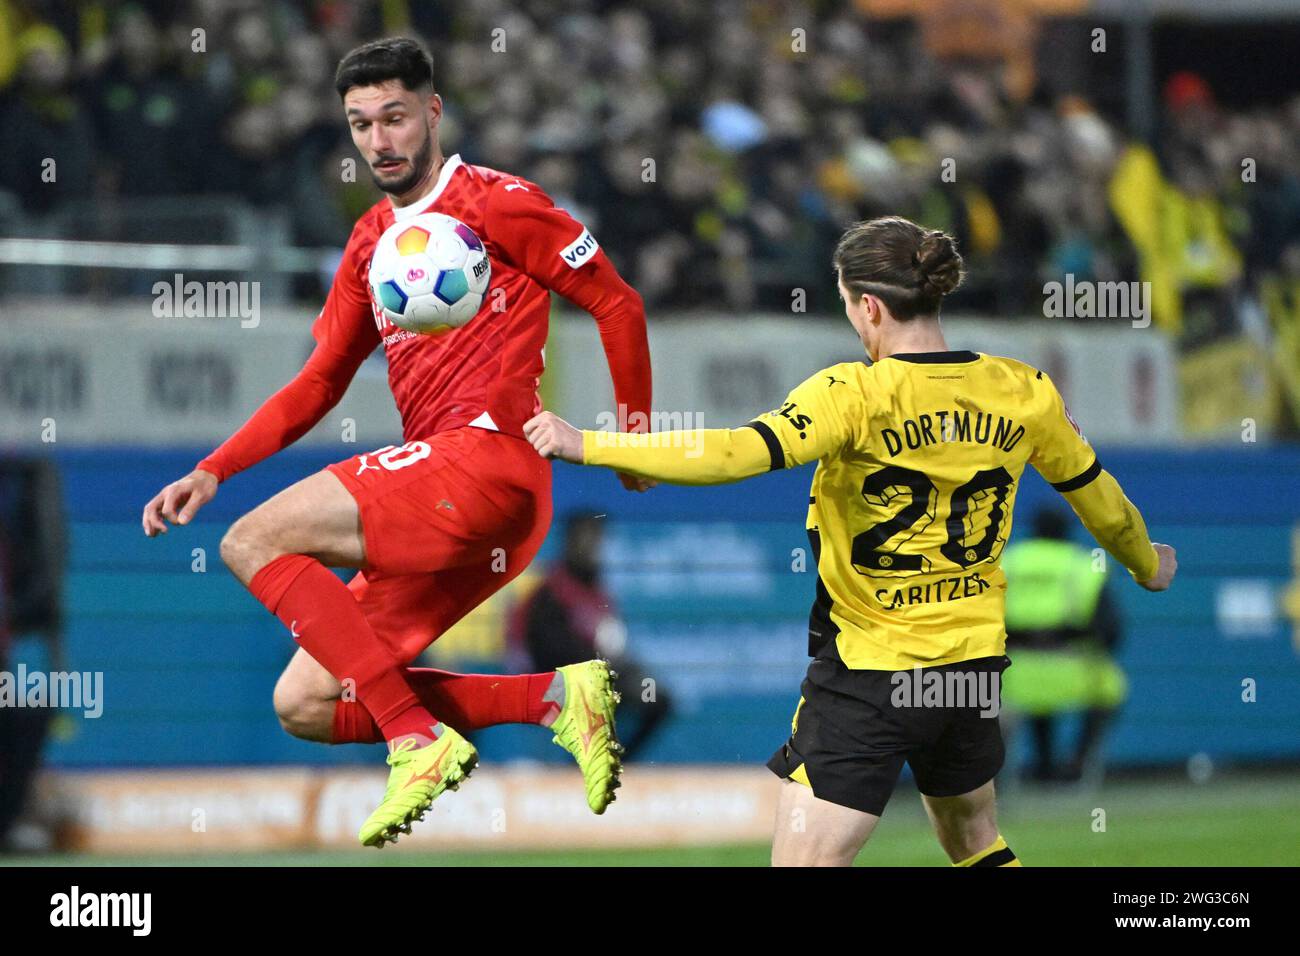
[{"x": 449, "y": 167}]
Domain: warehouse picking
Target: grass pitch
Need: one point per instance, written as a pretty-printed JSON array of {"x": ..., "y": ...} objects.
[{"x": 1234, "y": 821}]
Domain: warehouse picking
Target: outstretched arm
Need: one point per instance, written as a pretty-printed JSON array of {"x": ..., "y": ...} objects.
[
  {"x": 345, "y": 334},
  {"x": 1118, "y": 527},
  {"x": 288, "y": 414},
  {"x": 281, "y": 420},
  {"x": 1063, "y": 456},
  {"x": 814, "y": 421},
  {"x": 707, "y": 456}
]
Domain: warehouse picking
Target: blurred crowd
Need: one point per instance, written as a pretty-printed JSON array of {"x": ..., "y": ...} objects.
[{"x": 717, "y": 150}]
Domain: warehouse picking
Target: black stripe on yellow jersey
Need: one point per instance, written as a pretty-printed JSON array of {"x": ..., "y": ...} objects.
[{"x": 774, "y": 448}]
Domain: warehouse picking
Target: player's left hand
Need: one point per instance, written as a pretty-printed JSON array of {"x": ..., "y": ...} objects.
[{"x": 553, "y": 437}]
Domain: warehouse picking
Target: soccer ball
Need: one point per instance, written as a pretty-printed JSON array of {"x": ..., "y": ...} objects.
[{"x": 429, "y": 273}]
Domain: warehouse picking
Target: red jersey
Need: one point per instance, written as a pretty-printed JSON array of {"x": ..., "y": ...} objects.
[{"x": 485, "y": 373}]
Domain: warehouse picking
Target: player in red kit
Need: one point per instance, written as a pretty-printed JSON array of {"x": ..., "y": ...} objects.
[{"x": 437, "y": 524}]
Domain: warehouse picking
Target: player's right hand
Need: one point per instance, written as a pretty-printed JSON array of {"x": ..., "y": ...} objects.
[
  {"x": 553, "y": 437},
  {"x": 179, "y": 502},
  {"x": 633, "y": 483},
  {"x": 1165, "y": 570}
]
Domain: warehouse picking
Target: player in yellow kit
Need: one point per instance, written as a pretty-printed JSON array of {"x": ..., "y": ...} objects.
[{"x": 919, "y": 457}]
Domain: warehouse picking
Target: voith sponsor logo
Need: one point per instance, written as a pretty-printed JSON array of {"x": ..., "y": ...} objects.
[{"x": 579, "y": 252}]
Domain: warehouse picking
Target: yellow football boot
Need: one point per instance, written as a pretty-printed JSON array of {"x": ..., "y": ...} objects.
[
  {"x": 419, "y": 776},
  {"x": 585, "y": 728}
]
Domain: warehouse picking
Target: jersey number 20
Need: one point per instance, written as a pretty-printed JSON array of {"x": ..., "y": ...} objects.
[{"x": 868, "y": 555}]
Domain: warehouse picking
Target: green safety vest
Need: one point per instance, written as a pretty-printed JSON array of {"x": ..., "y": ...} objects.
[{"x": 1050, "y": 584}]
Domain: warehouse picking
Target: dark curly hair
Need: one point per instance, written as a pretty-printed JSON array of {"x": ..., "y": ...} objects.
[{"x": 394, "y": 58}]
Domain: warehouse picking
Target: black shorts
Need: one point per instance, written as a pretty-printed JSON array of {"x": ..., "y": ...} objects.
[{"x": 854, "y": 729}]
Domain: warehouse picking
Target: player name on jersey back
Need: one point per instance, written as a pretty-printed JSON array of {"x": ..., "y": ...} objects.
[{"x": 953, "y": 425}]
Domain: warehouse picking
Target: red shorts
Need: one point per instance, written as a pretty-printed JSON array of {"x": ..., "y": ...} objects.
[{"x": 447, "y": 521}]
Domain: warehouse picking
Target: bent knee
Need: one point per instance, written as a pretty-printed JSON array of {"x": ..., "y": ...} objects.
[
  {"x": 302, "y": 714},
  {"x": 245, "y": 550}
]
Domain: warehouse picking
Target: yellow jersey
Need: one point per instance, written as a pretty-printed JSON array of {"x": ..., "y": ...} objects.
[{"x": 919, "y": 457}]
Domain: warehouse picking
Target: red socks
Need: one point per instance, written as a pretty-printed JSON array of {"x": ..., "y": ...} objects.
[
  {"x": 325, "y": 619},
  {"x": 465, "y": 701},
  {"x": 392, "y": 701}
]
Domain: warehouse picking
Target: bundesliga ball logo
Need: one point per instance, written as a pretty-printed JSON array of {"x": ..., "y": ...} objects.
[{"x": 429, "y": 273}]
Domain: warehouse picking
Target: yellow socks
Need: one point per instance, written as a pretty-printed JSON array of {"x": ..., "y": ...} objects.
[{"x": 995, "y": 854}]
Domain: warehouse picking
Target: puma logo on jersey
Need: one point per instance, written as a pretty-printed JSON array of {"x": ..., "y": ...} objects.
[
  {"x": 517, "y": 185},
  {"x": 579, "y": 252}
]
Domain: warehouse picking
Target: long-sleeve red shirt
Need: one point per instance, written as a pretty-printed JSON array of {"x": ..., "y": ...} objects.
[{"x": 485, "y": 373}]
